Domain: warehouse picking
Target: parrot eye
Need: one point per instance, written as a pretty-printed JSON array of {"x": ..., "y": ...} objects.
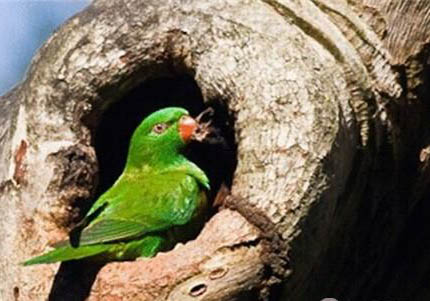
[{"x": 159, "y": 128}]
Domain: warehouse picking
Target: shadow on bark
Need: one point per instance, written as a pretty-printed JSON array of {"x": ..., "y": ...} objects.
[{"x": 74, "y": 280}]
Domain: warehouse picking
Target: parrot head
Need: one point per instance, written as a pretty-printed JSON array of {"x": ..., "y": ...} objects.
[{"x": 161, "y": 136}]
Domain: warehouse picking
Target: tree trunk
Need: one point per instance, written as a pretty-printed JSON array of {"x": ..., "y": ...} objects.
[{"x": 327, "y": 163}]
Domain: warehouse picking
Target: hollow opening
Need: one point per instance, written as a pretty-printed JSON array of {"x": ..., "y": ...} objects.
[{"x": 216, "y": 156}]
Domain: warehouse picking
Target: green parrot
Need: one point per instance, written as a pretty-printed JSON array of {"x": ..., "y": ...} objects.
[{"x": 159, "y": 199}]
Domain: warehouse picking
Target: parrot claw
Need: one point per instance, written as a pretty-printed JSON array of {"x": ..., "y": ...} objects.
[{"x": 142, "y": 259}]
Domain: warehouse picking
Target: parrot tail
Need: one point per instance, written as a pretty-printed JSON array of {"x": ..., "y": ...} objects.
[{"x": 68, "y": 253}]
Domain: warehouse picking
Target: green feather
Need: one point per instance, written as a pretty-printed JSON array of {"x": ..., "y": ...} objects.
[
  {"x": 67, "y": 253},
  {"x": 157, "y": 201},
  {"x": 146, "y": 247}
]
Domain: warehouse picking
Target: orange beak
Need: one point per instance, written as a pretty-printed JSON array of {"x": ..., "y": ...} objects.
[{"x": 187, "y": 127}]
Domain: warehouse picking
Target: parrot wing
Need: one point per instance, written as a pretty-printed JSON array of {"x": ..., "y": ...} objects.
[{"x": 171, "y": 202}]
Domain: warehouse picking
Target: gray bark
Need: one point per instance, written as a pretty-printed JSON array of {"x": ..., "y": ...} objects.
[{"x": 328, "y": 100}]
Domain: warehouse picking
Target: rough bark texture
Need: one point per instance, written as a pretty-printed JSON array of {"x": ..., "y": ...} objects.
[{"x": 329, "y": 106}]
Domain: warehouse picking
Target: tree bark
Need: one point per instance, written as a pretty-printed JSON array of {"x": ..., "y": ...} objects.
[{"x": 328, "y": 101}]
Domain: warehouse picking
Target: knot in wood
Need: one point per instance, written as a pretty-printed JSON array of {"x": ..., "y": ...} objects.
[{"x": 198, "y": 290}]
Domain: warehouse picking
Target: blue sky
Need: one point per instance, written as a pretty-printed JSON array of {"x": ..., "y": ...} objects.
[{"x": 24, "y": 26}]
